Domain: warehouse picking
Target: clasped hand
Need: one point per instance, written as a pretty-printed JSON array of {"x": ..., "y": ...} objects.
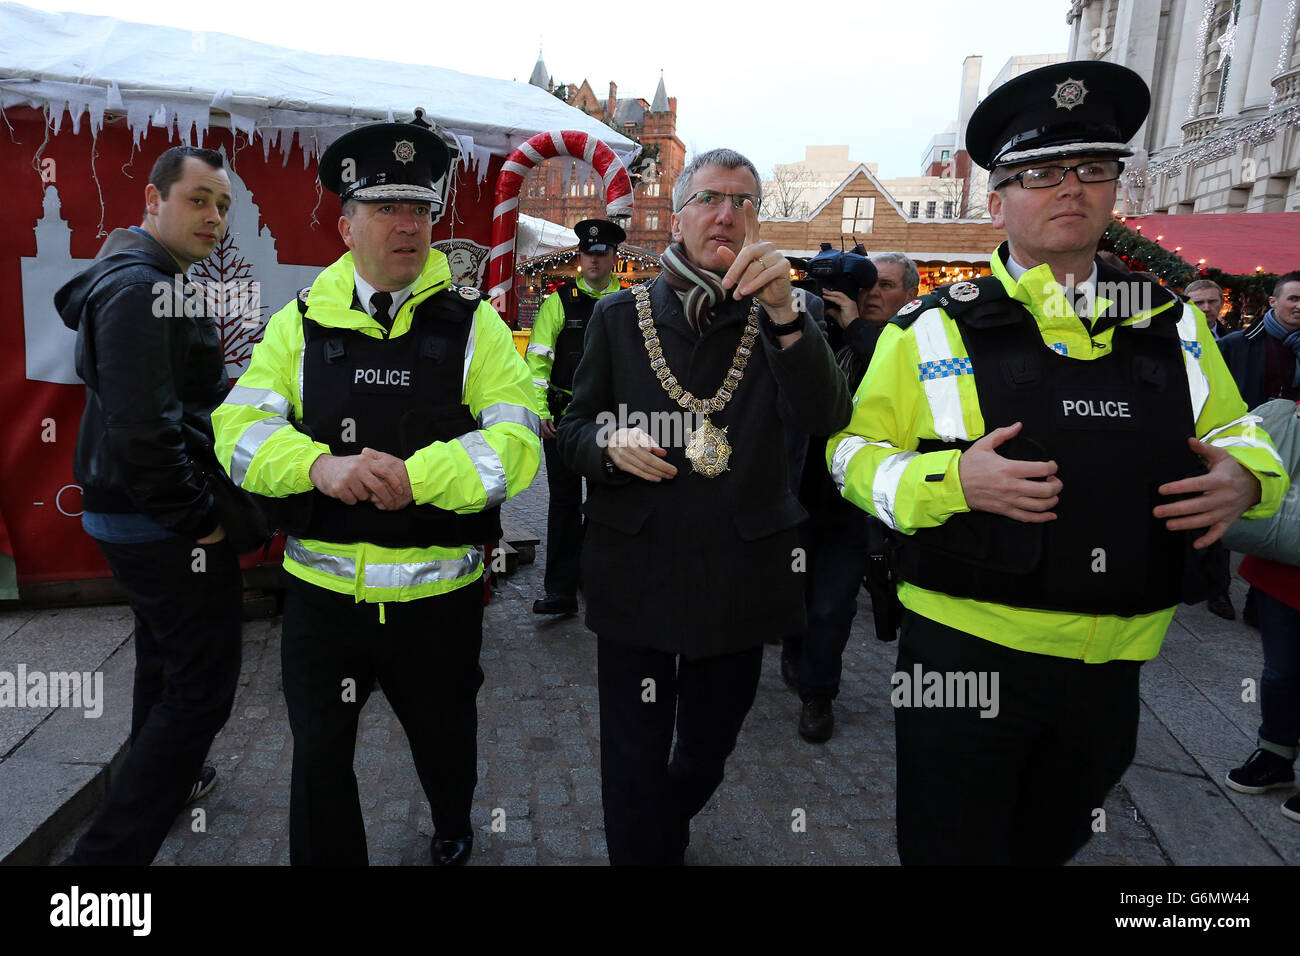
[
  {"x": 1028, "y": 490},
  {"x": 370, "y": 476}
]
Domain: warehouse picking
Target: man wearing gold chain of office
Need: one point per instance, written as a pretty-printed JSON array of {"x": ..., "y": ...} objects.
[{"x": 691, "y": 560}]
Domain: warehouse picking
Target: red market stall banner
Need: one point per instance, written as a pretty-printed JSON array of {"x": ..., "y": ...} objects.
[{"x": 75, "y": 153}]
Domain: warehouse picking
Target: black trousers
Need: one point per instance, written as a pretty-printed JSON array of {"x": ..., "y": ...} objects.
[
  {"x": 835, "y": 540},
  {"x": 564, "y": 526},
  {"x": 187, "y": 601},
  {"x": 425, "y": 658},
  {"x": 1022, "y": 787},
  {"x": 648, "y": 798}
]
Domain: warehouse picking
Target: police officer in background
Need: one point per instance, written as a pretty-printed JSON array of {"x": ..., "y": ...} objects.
[
  {"x": 392, "y": 413},
  {"x": 554, "y": 350},
  {"x": 1058, "y": 444}
]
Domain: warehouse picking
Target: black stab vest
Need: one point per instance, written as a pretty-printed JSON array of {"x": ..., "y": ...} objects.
[
  {"x": 395, "y": 395},
  {"x": 1117, "y": 428},
  {"x": 578, "y": 307}
]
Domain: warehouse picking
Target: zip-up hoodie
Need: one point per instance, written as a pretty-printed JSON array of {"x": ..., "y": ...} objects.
[{"x": 153, "y": 376}]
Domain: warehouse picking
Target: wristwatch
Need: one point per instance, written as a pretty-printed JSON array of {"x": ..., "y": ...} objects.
[{"x": 787, "y": 328}]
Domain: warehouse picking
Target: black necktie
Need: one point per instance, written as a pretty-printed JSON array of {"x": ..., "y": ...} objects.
[{"x": 380, "y": 303}]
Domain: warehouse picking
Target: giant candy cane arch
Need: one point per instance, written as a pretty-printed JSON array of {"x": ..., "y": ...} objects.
[{"x": 505, "y": 211}]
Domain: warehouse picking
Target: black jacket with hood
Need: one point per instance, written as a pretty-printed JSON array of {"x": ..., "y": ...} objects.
[{"x": 152, "y": 382}]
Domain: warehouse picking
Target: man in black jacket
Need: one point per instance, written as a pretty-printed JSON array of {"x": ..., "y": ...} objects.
[
  {"x": 690, "y": 560},
  {"x": 153, "y": 367},
  {"x": 838, "y": 537}
]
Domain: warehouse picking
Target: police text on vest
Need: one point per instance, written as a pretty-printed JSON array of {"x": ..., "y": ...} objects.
[
  {"x": 383, "y": 376},
  {"x": 1094, "y": 408}
]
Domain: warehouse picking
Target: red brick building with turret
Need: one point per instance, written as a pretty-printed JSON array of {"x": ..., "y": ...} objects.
[{"x": 567, "y": 191}]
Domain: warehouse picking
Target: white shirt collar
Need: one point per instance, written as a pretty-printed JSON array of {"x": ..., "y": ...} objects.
[
  {"x": 1016, "y": 271},
  {"x": 365, "y": 290}
]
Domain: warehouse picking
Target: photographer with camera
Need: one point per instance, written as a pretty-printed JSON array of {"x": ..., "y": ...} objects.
[{"x": 861, "y": 294}]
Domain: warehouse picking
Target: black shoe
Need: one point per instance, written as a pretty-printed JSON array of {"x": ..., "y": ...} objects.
[
  {"x": 1263, "y": 770},
  {"x": 451, "y": 852},
  {"x": 1291, "y": 808},
  {"x": 1221, "y": 606},
  {"x": 555, "y": 604},
  {"x": 817, "y": 720},
  {"x": 1249, "y": 615},
  {"x": 790, "y": 671},
  {"x": 203, "y": 786}
]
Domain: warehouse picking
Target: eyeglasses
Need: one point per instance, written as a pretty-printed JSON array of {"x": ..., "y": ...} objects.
[
  {"x": 1044, "y": 177},
  {"x": 712, "y": 200}
]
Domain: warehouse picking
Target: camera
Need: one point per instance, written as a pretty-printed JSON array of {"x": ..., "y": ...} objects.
[{"x": 847, "y": 272}]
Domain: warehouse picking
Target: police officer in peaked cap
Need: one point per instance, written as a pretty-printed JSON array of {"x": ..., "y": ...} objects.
[
  {"x": 1059, "y": 446},
  {"x": 390, "y": 414},
  {"x": 554, "y": 349}
]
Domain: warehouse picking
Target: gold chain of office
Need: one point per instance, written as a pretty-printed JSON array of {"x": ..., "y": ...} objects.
[{"x": 707, "y": 450}]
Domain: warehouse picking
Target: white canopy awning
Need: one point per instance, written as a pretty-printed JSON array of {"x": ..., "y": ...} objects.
[{"x": 153, "y": 75}]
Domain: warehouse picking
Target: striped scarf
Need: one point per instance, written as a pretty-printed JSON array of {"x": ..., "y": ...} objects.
[{"x": 703, "y": 290}]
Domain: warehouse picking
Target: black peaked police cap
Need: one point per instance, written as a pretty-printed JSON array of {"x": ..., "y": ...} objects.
[
  {"x": 393, "y": 162},
  {"x": 1066, "y": 109},
  {"x": 598, "y": 235}
]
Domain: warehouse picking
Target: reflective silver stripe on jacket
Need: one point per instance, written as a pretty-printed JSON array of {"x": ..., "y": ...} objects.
[
  {"x": 1197, "y": 382},
  {"x": 943, "y": 393},
  {"x": 402, "y": 575},
  {"x": 844, "y": 451},
  {"x": 884, "y": 489},
  {"x": 263, "y": 399},
  {"x": 505, "y": 412},
  {"x": 253, "y": 438},
  {"x": 1250, "y": 439},
  {"x": 488, "y": 465},
  {"x": 469, "y": 352},
  {"x": 545, "y": 351}
]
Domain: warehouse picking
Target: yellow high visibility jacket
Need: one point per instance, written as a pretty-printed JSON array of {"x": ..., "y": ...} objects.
[
  {"x": 546, "y": 332},
  {"x": 265, "y": 454},
  {"x": 919, "y": 387}
]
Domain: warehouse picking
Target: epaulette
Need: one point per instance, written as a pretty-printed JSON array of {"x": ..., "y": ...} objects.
[
  {"x": 302, "y": 300},
  {"x": 953, "y": 299},
  {"x": 466, "y": 292}
]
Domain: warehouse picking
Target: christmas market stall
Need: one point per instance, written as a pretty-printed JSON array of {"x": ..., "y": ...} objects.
[
  {"x": 539, "y": 276},
  {"x": 88, "y": 103}
]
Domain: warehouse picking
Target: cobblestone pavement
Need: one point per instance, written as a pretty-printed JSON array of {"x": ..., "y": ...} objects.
[{"x": 538, "y": 798}]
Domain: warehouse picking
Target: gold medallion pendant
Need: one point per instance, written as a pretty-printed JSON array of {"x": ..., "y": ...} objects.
[{"x": 707, "y": 450}]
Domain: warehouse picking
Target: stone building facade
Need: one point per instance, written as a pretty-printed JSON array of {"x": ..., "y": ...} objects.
[{"x": 1224, "y": 130}]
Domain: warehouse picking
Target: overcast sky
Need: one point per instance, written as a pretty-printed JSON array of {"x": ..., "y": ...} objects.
[{"x": 765, "y": 78}]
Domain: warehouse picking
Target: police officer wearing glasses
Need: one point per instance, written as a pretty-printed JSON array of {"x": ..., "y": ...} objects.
[{"x": 1058, "y": 446}]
